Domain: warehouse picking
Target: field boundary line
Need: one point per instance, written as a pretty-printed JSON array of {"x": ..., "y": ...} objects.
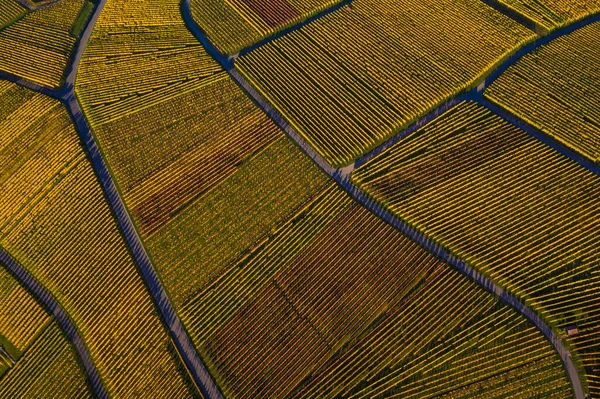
[
  {"x": 182, "y": 341},
  {"x": 515, "y": 16},
  {"x": 477, "y": 94}
]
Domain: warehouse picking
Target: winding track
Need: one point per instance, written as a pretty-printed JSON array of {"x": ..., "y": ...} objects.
[
  {"x": 182, "y": 341},
  {"x": 39, "y": 292},
  {"x": 341, "y": 175}
]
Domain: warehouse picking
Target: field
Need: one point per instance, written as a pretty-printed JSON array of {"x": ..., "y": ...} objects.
[
  {"x": 210, "y": 186},
  {"x": 554, "y": 89},
  {"x": 517, "y": 210},
  {"x": 47, "y": 370},
  {"x": 10, "y": 11},
  {"x": 287, "y": 286},
  {"x": 38, "y": 46},
  {"x": 234, "y": 25},
  {"x": 365, "y": 304},
  {"x": 21, "y": 319},
  {"x": 352, "y": 79},
  {"x": 551, "y": 14},
  {"x": 55, "y": 221}
]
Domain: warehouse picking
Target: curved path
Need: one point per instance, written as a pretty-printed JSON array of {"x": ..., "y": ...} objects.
[
  {"x": 341, "y": 176},
  {"x": 194, "y": 365},
  {"x": 39, "y": 292}
]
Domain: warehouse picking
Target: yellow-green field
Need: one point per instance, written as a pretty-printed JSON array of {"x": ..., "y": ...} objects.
[
  {"x": 515, "y": 209},
  {"x": 55, "y": 221},
  {"x": 237, "y": 24},
  {"x": 352, "y": 79},
  {"x": 555, "y": 89},
  {"x": 39, "y": 46}
]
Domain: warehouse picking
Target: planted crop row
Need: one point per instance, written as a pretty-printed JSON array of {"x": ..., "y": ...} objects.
[
  {"x": 55, "y": 221},
  {"x": 38, "y": 46},
  {"x": 517, "y": 210},
  {"x": 352, "y": 79},
  {"x": 21, "y": 317},
  {"x": 48, "y": 369},
  {"x": 211, "y": 309},
  {"x": 337, "y": 282},
  {"x": 451, "y": 340},
  {"x": 204, "y": 173},
  {"x": 170, "y": 122},
  {"x": 10, "y": 11},
  {"x": 237, "y": 24},
  {"x": 215, "y": 232},
  {"x": 556, "y": 90},
  {"x": 550, "y": 14}
]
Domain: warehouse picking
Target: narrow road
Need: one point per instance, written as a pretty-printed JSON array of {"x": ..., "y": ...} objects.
[
  {"x": 182, "y": 341},
  {"x": 341, "y": 176},
  {"x": 39, "y": 292},
  {"x": 476, "y": 94},
  {"x": 80, "y": 48},
  {"x": 48, "y": 91}
]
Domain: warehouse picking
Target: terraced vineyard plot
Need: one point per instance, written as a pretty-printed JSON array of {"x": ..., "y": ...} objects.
[
  {"x": 47, "y": 370},
  {"x": 203, "y": 171},
  {"x": 364, "y": 303},
  {"x": 555, "y": 90},
  {"x": 352, "y": 79},
  {"x": 38, "y": 47},
  {"x": 517, "y": 210},
  {"x": 234, "y": 25},
  {"x": 54, "y": 220},
  {"x": 10, "y": 11},
  {"x": 21, "y": 320},
  {"x": 433, "y": 348},
  {"x": 21, "y": 317},
  {"x": 217, "y": 230},
  {"x": 550, "y": 14}
]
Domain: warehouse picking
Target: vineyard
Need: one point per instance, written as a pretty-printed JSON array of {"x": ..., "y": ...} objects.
[
  {"x": 237, "y": 24},
  {"x": 55, "y": 221},
  {"x": 365, "y": 304},
  {"x": 47, "y": 370},
  {"x": 10, "y": 11},
  {"x": 352, "y": 79},
  {"x": 551, "y": 14},
  {"x": 200, "y": 167},
  {"x": 38, "y": 46},
  {"x": 21, "y": 319},
  {"x": 189, "y": 224},
  {"x": 553, "y": 90},
  {"x": 517, "y": 210}
]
